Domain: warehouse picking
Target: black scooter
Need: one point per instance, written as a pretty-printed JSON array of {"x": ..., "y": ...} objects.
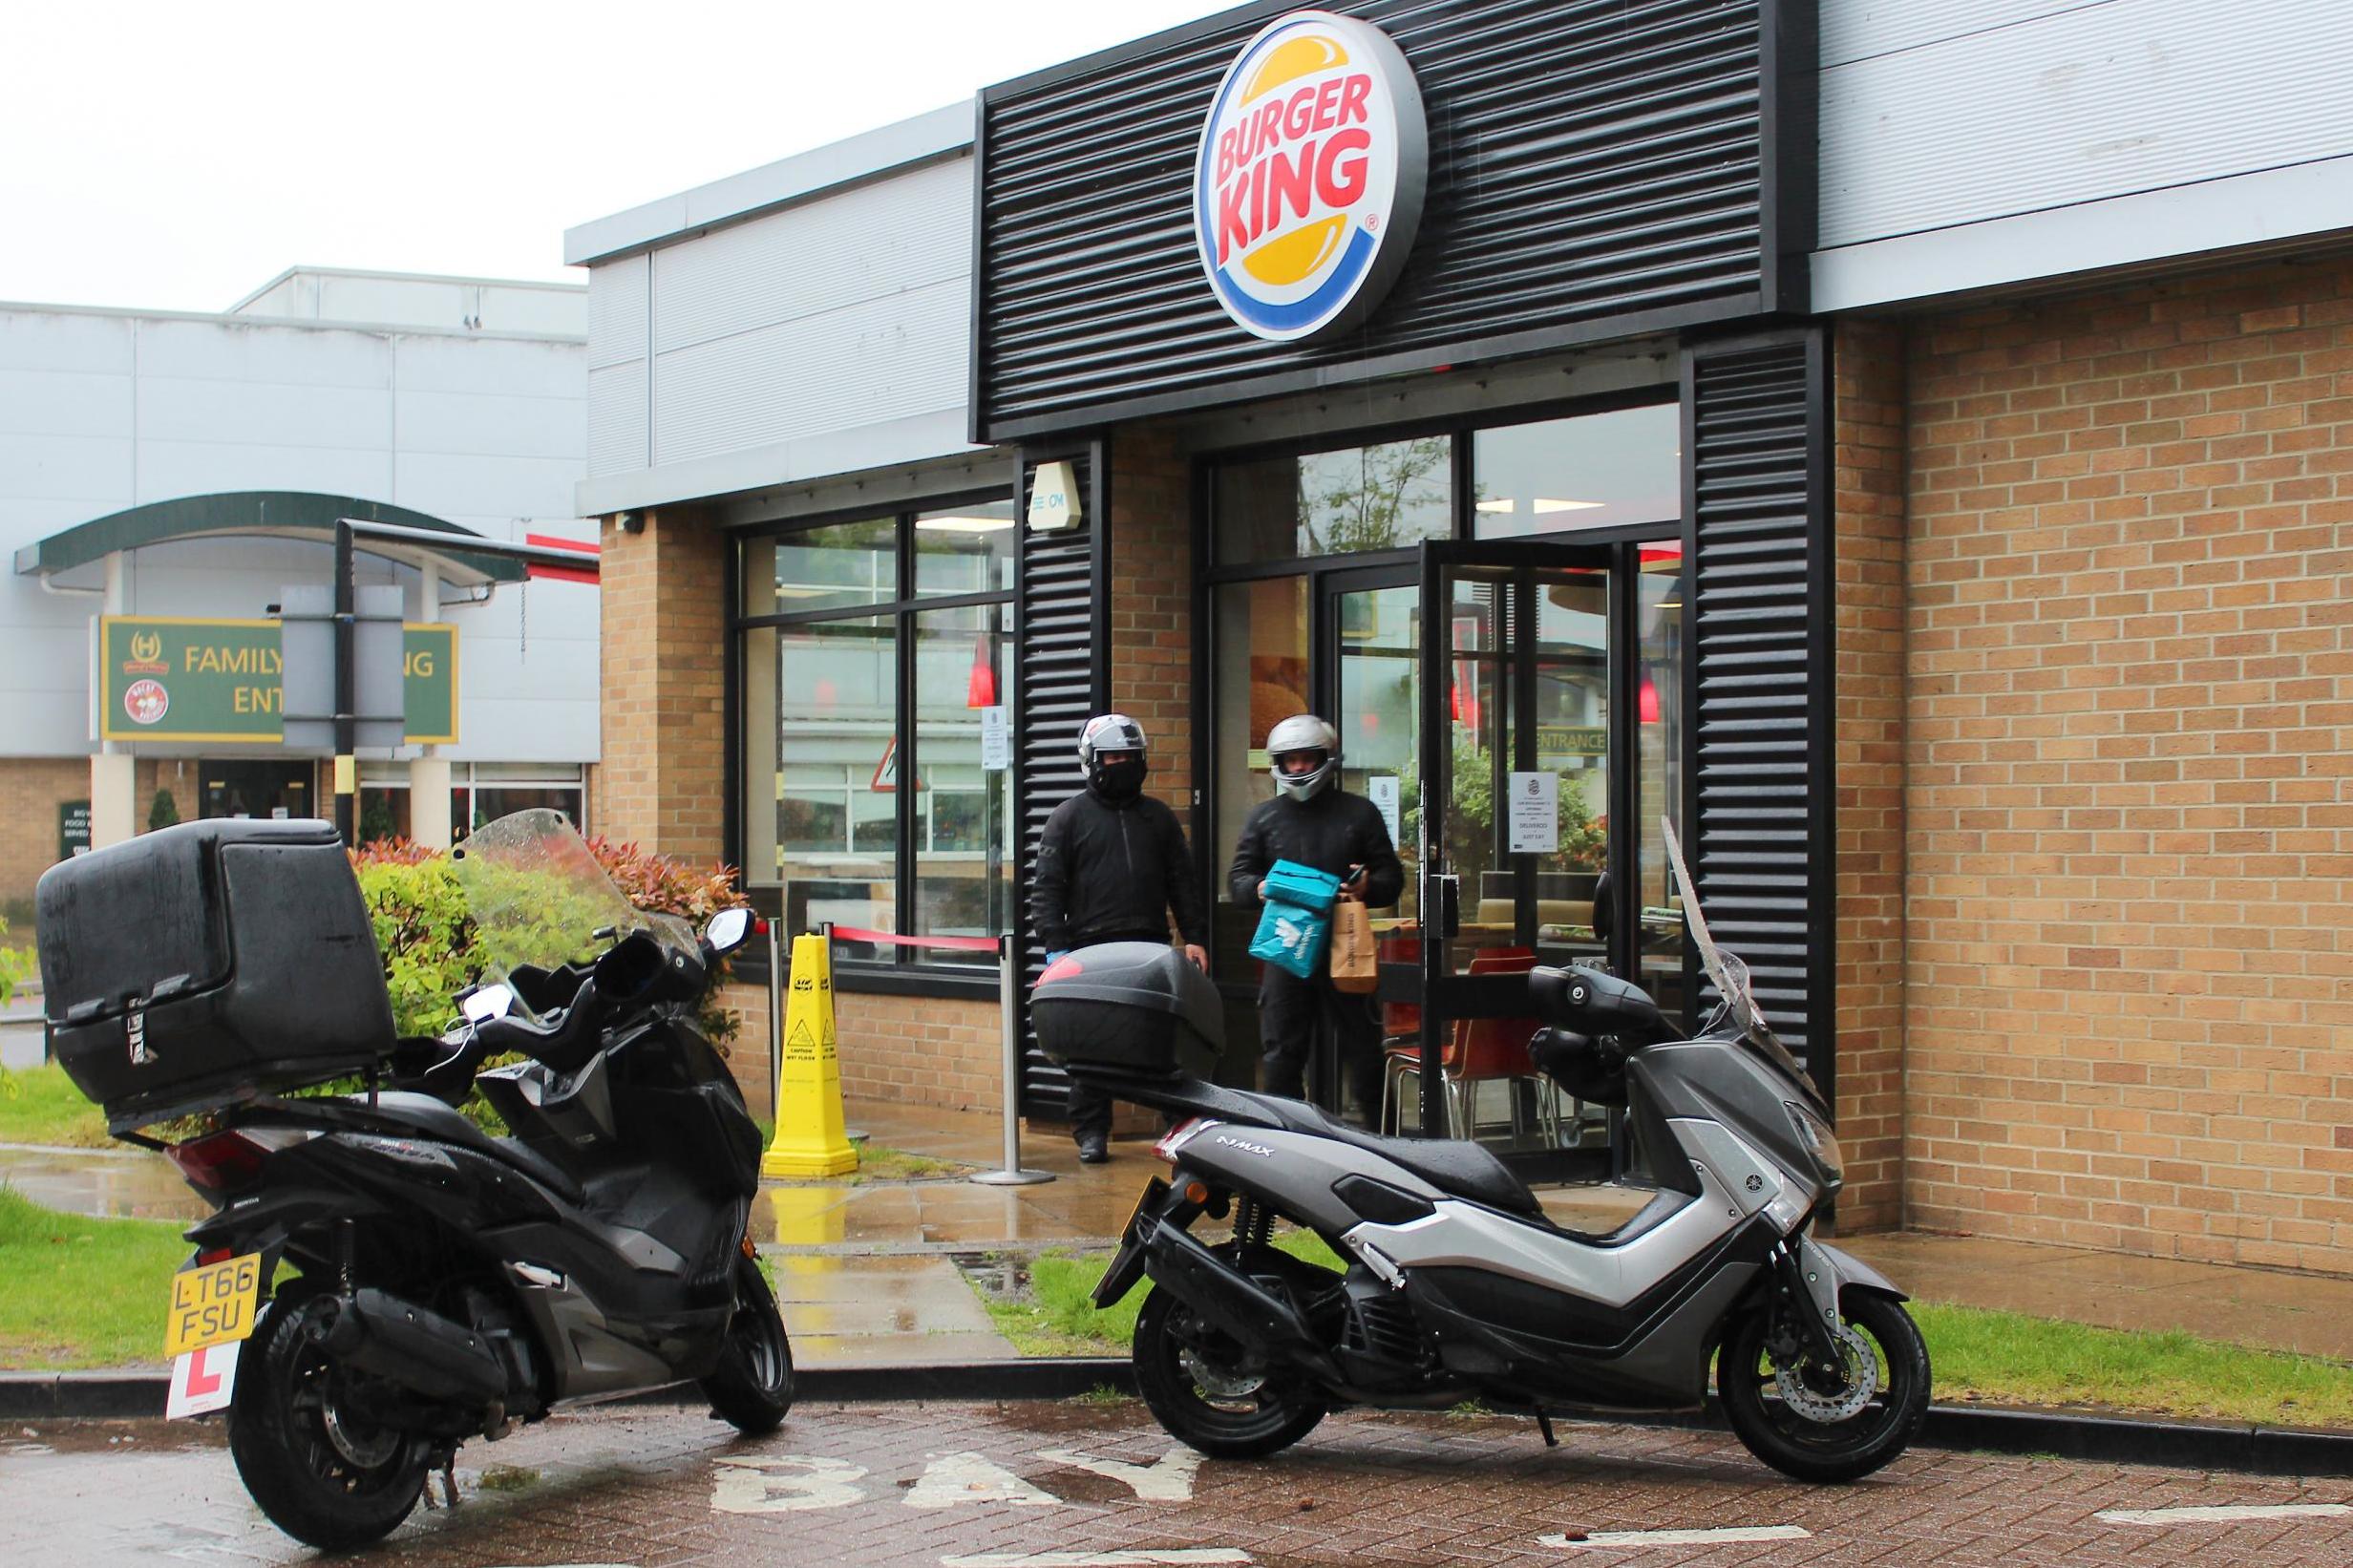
[{"x": 452, "y": 1283}]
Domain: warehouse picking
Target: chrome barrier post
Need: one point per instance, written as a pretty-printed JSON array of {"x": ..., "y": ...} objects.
[
  {"x": 775, "y": 1022},
  {"x": 1009, "y": 1001}
]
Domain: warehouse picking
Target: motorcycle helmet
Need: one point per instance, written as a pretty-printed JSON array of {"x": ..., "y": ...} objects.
[
  {"x": 1307, "y": 733},
  {"x": 1113, "y": 733}
]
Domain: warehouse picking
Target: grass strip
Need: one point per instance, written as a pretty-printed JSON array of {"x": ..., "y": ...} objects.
[
  {"x": 1979, "y": 1356},
  {"x": 78, "y": 1293},
  {"x": 40, "y": 1105}
]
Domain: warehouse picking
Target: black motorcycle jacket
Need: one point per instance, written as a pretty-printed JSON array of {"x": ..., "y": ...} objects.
[
  {"x": 1113, "y": 870},
  {"x": 1331, "y": 832}
]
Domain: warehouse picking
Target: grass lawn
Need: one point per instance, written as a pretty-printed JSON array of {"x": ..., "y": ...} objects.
[
  {"x": 40, "y": 1105},
  {"x": 1995, "y": 1357},
  {"x": 77, "y": 1292}
]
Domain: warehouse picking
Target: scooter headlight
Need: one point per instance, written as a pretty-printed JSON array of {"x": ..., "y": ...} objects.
[{"x": 1815, "y": 1137}]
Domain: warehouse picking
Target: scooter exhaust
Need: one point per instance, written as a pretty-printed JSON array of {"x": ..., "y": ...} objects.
[
  {"x": 411, "y": 1346},
  {"x": 1233, "y": 1302}
]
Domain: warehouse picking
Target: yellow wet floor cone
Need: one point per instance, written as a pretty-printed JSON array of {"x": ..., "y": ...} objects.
[{"x": 809, "y": 1139}]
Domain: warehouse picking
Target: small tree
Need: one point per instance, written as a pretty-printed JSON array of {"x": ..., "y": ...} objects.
[{"x": 163, "y": 812}]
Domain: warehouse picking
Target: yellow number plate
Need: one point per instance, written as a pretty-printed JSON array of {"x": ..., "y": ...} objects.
[{"x": 213, "y": 1305}]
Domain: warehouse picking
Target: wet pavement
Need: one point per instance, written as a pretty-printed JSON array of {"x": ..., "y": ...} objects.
[{"x": 1069, "y": 1485}]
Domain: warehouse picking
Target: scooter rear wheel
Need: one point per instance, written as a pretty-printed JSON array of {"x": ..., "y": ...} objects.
[
  {"x": 323, "y": 1474},
  {"x": 752, "y": 1387},
  {"x": 1204, "y": 1402},
  {"x": 1804, "y": 1431}
]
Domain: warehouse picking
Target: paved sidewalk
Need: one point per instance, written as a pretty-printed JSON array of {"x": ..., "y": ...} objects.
[{"x": 1031, "y": 1485}]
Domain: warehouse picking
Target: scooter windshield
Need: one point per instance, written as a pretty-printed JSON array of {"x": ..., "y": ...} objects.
[
  {"x": 1729, "y": 974},
  {"x": 539, "y": 896}
]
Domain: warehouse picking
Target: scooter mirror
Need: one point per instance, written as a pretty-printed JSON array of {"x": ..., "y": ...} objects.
[
  {"x": 487, "y": 1002},
  {"x": 728, "y": 929}
]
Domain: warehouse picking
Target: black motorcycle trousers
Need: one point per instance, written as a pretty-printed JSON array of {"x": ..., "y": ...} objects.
[{"x": 1290, "y": 1012}]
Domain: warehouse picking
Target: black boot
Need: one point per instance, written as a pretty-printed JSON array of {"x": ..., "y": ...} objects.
[{"x": 1094, "y": 1148}]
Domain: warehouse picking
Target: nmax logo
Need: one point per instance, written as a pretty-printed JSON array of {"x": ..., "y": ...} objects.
[{"x": 1246, "y": 1146}]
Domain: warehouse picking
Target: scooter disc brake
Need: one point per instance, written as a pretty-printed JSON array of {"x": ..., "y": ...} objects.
[
  {"x": 1861, "y": 1369},
  {"x": 365, "y": 1448},
  {"x": 1218, "y": 1382}
]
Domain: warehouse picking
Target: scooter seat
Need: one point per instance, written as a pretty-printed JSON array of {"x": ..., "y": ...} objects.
[
  {"x": 436, "y": 1121},
  {"x": 1466, "y": 1170}
]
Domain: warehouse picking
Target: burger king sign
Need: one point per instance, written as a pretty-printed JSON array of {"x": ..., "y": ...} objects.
[{"x": 1307, "y": 187}]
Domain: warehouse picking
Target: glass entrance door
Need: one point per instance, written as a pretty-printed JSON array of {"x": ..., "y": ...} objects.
[{"x": 1542, "y": 743}]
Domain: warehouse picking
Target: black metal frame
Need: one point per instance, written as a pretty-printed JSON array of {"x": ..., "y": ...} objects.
[
  {"x": 909, "y": 977},
  {"x": 1208, "y": 576}
]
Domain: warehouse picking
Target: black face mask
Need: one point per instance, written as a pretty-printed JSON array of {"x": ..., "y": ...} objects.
[{"x": 1117, "y": 780}]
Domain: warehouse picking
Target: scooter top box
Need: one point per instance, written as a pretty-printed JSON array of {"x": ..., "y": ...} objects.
[
  {"x": 1129, "y": 1007},
  {"x": 205, "y": 963}
]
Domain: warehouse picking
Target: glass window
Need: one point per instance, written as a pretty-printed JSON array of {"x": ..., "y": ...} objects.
[
  {"x": 1260, "y": 642},
  {"x": 1375, "y": 497},
  {"x": 1594, "y": 471},
  {"x": 843, "y": 564},
  {"x": 830, "y": 832},
  {"x": 964, "y": 550},
  {"x": 963, "y": 875},
  {"x": 866, "y": 803}
]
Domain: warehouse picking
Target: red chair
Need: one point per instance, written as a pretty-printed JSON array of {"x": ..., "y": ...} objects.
[{"x": 1483, "y": 1050}]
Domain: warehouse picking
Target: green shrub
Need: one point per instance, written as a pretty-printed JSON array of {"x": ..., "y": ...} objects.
[{"x": 162, "y": 812}]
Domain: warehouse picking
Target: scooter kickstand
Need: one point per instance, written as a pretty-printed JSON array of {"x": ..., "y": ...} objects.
[{"x": 1544, "y": 1425}]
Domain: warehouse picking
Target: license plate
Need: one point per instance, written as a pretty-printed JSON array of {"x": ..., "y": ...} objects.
[
  {"x": 1128, "y": 1264},
  {"x": 213, "y": 1305}
]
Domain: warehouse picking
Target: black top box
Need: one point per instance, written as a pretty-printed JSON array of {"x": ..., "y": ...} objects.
[
  {"x": 207, "y": 962},
  {"x": 1129, "y": 1007}
]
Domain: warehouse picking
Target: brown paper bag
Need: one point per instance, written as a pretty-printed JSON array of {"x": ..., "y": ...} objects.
[{"x": 1356, "y": 968}]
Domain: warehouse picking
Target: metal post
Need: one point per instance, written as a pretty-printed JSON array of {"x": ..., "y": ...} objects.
[
  {"x": 347, "y": 692},
  {"x": 775, "y": 1024},
  {"x": 1009, "y": 1001}
]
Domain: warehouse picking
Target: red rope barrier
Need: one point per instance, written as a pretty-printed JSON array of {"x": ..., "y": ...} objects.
[{"x": 889, "y": 939}]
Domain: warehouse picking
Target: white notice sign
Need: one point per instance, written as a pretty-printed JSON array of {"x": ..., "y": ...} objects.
[
  {"x": 1535, "y": 814},
  {"x": 996, "y": 740},
  {"x": 1382, "y": 790}
]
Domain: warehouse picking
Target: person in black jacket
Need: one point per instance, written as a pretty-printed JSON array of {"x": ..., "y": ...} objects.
[
  {"x": 1313, "y": 821},
  {"x": 1112, "y": 865}
]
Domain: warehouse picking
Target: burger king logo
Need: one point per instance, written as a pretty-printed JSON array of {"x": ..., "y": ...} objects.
[{"x": 1307, "y": 187}]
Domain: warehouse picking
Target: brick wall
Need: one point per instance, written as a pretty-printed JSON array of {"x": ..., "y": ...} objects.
[
  {"x": 31, "y": 790},
  {"x": 663, "y": 660},
  {"x": 2129, "y": 736},
  {"x": 1151, "y": 605},
  {"x": 1868, "y": 429},
  {"x": 924, "y": 1050}
]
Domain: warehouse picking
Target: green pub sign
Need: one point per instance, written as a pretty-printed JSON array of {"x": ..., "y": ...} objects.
[{"x": 166, "y": 678}]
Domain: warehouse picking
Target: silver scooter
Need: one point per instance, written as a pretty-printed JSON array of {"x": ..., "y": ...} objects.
[{"x": 1453, "y": 1284}]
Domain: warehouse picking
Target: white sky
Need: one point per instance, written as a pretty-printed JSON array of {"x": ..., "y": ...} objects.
[{"x": 176, "y": 156}]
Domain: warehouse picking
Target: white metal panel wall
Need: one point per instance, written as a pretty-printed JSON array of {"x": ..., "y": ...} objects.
[
  {"x": 101, "y": 411},
  {"x": 618, "y": 332},
  {"x": 847, "y": 311},
  {"x": 1940, "y": 115}
]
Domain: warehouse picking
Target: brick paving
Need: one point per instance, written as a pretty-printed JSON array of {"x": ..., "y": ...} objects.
[{"x": 916, "y": 1484}]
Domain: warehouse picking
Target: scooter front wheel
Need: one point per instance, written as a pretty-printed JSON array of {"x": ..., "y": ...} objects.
[
  {"x": 752, "y": 1387},
  {"x": 1818, "y": 1427},
  {"x": 1186, "y": 1374},
  {"x": 322, "y": 1473}
]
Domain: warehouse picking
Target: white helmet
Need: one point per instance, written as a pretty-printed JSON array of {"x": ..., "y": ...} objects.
[
  {"x": 1113, "y": 732},
  {"x": 1303, "y": 733}
]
